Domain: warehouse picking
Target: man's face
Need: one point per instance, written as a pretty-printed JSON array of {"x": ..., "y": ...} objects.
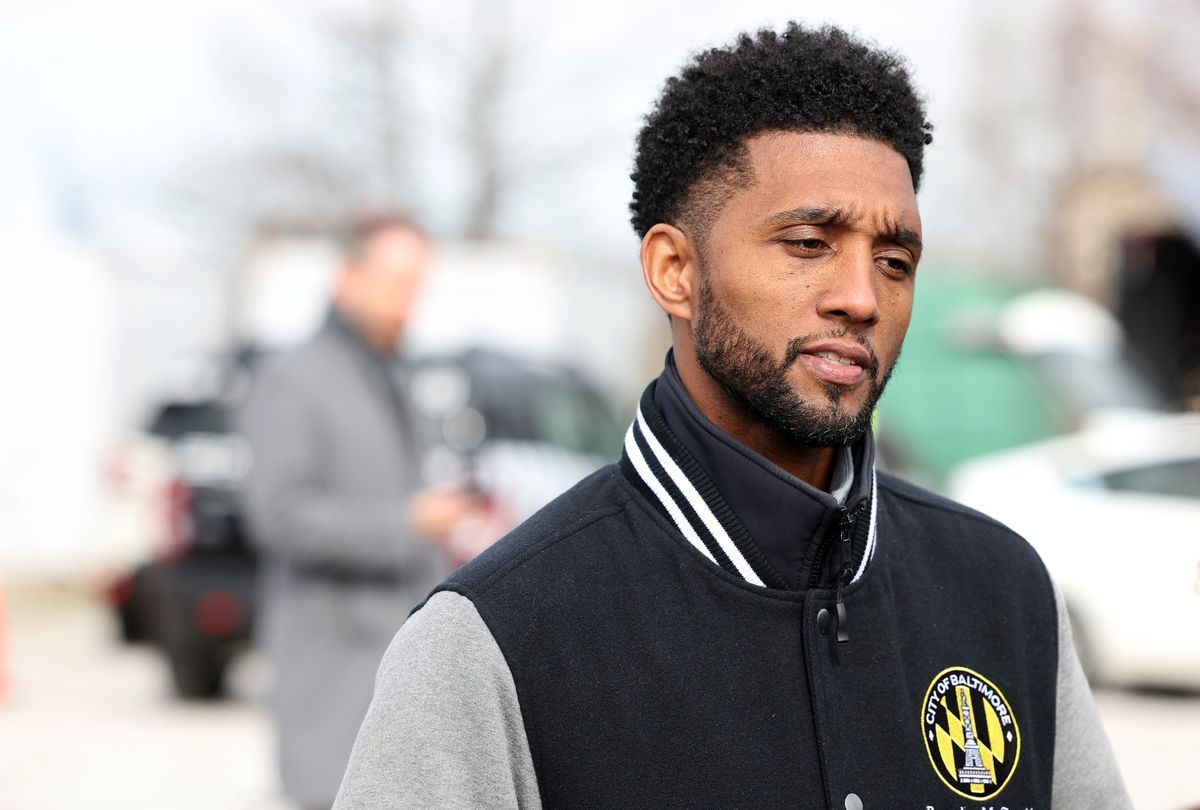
[
  {"x": 806, "y": 284},
  {"x": 381, "y": 286}
]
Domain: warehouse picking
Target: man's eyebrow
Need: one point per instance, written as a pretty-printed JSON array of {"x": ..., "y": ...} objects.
[
  {"x": 820, "y": 215},
  {"x": 905, "y": 236},
  {"x": 806, "y": 215}
]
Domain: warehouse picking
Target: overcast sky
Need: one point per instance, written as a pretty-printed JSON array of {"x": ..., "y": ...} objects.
[{"x": 107, "y": 104}]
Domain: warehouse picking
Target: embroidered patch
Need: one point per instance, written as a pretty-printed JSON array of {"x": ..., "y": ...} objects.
[{"x": 970, "y": 733}]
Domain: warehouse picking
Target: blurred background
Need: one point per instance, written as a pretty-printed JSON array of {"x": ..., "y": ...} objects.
[{"x": 170, "y": 172}]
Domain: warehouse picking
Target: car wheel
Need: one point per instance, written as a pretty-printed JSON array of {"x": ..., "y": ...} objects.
[
  {"x": 197, "y": 667},
  {"x": 129, "y": 623}
]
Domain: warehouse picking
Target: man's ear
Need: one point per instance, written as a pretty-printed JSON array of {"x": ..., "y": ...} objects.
[{"x": 671, "y": 269}]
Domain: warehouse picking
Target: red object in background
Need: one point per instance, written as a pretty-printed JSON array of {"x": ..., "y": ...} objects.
[
  {"x": 120, "y": 589},
  {"x": 217, "y": 613}
]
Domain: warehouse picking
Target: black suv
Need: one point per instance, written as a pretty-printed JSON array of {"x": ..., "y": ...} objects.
[{"x": 490, "y": 413}]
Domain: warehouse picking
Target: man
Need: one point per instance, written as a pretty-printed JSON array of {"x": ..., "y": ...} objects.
[
  {"x": 743, "y": 613},
  {"x": 328, "y": 504}
]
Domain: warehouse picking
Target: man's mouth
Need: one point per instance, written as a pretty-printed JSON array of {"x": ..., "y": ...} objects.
[
  {"x": 834, "y": 357},
  {"x": 836, "y": 362}
]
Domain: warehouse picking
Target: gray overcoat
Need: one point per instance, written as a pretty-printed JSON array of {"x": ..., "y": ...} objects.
[{"x": 335, "y": 460}]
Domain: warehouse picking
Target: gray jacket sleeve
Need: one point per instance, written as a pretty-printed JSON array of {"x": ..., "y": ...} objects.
[
  {"x": 1085, "y": 772},
  {"x": 294, "y": 513},
  {"x": 444, "y": 728}
]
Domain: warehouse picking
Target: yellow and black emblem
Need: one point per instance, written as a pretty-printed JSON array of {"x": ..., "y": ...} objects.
[{"x": 970, "y": 733}]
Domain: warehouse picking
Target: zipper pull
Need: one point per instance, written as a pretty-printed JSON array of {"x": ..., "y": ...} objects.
[
  {"x": 843, "y": 628},
  {"x": 845, "y": 531}
]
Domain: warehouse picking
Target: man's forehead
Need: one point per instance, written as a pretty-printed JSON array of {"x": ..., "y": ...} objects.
[
  {"x": 783, "y": 146},
  {"x": 842, "y": 178},
  {"x": 395, "y": 244}
]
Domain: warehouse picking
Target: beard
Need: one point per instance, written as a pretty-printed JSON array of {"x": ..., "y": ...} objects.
[{"x": 758, "y": 381}]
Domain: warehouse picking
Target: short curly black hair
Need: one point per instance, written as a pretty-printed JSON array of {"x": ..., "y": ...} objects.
[{"x": 691, "y": 153}]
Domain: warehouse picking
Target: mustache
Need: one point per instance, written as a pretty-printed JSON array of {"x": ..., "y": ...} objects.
[{"x": 796, "y": 345}]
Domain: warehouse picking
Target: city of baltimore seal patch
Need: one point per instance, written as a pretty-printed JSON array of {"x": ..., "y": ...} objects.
[{"x": 970, "y": 733}]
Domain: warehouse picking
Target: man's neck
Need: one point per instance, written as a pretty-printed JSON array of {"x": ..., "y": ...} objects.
[
  {"x": 374, "y": 340},
  {"x": 813, "y": 465}
]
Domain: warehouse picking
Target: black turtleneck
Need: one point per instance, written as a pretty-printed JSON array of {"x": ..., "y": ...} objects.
[{"x": 782, "y": 513}]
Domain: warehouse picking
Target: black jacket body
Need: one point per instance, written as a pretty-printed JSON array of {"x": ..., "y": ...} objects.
[{"x": 650, "y": 676}]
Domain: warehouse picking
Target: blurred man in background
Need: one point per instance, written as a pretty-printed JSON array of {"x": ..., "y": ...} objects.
[{"x": 330, "y": 505}]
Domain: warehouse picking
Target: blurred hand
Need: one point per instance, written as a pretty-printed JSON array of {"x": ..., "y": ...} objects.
[
  {"x": 461, "y": 521},
  {"x": 434, "y": 513},
  {"x": 478, "y": 531}
]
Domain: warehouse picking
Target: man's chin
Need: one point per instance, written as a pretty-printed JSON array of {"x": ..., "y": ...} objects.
[
  {"x": 840, "y": 401},
  {"x": 823, "y": 418},
  {"x": 818, "y": 436}
]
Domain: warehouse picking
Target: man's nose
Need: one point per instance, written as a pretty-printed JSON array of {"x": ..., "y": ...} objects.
[{"x": 850, "y": 293}]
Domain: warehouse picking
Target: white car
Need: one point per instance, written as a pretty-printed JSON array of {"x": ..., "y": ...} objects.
[{"x": 1114, "y": 511}]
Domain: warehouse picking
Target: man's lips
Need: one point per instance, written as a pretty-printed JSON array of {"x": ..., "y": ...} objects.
[{"x": 836, "y": 362}]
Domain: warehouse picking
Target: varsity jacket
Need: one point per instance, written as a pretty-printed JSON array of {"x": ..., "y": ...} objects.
[{"x": 631, "y": 647}]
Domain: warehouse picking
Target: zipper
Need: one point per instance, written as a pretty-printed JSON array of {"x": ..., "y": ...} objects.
[{"x": 843, "y": 534}]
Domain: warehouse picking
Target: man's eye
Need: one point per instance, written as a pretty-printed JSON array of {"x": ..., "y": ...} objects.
[
  {"x": 895, "y": 266},
  {"x": 806, "y": 244}
]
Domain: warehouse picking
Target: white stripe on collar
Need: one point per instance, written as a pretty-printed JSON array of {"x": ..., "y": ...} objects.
[
  {"x": 698, "y": 504},
  {"x": 869, "y": 551},
  {"x": 635, "y": 456}
]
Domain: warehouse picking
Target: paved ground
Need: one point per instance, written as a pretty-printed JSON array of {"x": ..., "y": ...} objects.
[
  {"x": 90, "y": 725},
  {"x": 1157, "y": 742}
]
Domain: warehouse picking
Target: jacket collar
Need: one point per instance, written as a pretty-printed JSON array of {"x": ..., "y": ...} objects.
[{"x": 837, "y": 540}]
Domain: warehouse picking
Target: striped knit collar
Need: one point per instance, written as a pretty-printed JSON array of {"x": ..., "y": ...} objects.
[{"x": 668, "y": 474}]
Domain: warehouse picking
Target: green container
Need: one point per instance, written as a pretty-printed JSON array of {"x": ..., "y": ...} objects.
[{"x": 956, "y": 393}]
